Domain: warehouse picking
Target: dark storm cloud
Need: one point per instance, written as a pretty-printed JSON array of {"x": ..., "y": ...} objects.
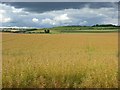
[
  {"x": 49, "y": 14},
  {"x": 40, "y": 7},
  {"x": 60, "y": 0}
]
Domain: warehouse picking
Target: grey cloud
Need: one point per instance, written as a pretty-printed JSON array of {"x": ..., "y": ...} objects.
[
  {"x": 59, "y": 0},
  {"x": 80, "y": 16},
  {"x": 40, "y": 7}
]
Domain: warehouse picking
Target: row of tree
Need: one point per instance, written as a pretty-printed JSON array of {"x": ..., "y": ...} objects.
[
  {"x": 104, "y": 25},
  {"x": 97, "y": 25}
]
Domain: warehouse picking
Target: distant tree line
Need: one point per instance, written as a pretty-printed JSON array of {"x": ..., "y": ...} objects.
[
  {"x": 104, "y": 25},
  {"x": 97, "y": 25},
  {"x": 31, "y": 29}
]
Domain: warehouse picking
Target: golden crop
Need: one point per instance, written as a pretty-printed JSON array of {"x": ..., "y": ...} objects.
[{"x": 86, "y": 60}]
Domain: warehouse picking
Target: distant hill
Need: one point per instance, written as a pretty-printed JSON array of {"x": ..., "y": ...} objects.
[
  {"x": 73, "y": 29},
  {"x": 104, "y": 25},
  {"x": 81, "y": 29},
  {"x": 94, "y": 27}
]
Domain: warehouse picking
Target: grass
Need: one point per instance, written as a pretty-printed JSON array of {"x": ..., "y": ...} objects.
[
  {"x": 64, "y": 30},
  {"x": 78, "y": 29},
  {"x": 86, "y": 60}
]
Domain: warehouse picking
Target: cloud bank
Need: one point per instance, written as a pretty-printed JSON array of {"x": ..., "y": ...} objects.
[
  {"x": 12, "y": 16},
  {"x": 60, "y": 1}
]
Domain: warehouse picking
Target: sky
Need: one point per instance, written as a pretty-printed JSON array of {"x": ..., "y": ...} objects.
[
  {"x": 59, "y": 0},
  {"x": 51, "y": 14}
]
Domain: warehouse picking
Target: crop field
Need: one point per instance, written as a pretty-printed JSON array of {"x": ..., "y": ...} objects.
[{"x": 81, "y": 60}]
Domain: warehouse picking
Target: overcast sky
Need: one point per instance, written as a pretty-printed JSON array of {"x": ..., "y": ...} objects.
[
  {"x": 59, "y": 0},
  {"x": 50, "y": 14}
]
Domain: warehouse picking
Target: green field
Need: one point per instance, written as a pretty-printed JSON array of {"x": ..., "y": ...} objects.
[{"x": 77, "y": 29}]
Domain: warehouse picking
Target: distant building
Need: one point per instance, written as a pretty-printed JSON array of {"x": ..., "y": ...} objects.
[{"x": 15, "y": 31}]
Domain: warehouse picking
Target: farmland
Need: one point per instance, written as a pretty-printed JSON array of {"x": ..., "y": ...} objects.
[
  {"x": 65, "y": 29},
  {"x": 77, "y": 29},
  {"x": 81, "y": 60}
]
